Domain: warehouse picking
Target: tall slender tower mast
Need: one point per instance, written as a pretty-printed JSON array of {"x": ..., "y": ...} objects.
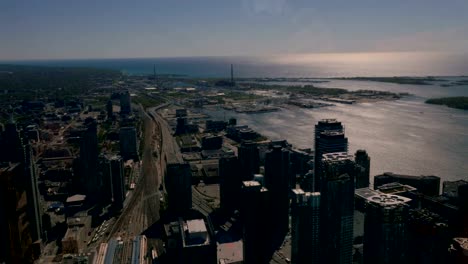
[
  {"x": 232, "y": 74},
  {"x": 154, "y": 72}
]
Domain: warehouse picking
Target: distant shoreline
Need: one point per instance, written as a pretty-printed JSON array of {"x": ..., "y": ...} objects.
[{"x": 458, "y": 102}]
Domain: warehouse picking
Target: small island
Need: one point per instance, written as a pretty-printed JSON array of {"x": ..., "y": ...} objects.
[
  {"x": 459, "y": 102},
  {"x": 397, "y": 80}
]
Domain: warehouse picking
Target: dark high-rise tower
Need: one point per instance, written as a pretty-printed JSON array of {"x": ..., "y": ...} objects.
[
  {"x": 277, "y": 182},
  {"x": 385, "y": 229},
  {"x": 109, "y": 110},
  {"x": 249, "y": 160},
  {"x": 329, "y": 138},
  {"x": 128, "y": 143},
  {"x": 113, "y": 180},
  {"x": 255, "y": 218},
  {"x": 305, "y": 227},
  {"x": 12, "y": 143},
  {"x": 302, "y": 163},
  {"x": 16, "y": 242},
  {"x": 363, "y": 160},
  {"x": 31, "y": 187},
  {"x": 125, "y": 103},
  {"x": 337, "y": 208},
  {"x": 178, "y": 183},
  {"x": 230, "y": 183},
  {"x": 89, "y": 159}
]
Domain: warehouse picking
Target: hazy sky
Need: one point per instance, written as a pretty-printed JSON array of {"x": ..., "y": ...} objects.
[{"x": 55, "y": 29}]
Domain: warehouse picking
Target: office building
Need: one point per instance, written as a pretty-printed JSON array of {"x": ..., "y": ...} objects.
[
  {"x": 211, "y": 142},
  {"x": 89, "y": 160},
  {"x": 215, "y": 125},
  {"x": 256, "y": 222},
  {"x": 113, "y": 180},
  {"x": 11, "y": 141},
  {"x": 429, "y": 237},
  {"x": 230, "y": 183},
  {"x": 32, "y": 190},
  {"x": 277, "y": 169},
  {"x": 190, "y": 240},
  {"x": 428, "y": 185},
  {"x": 16, "y": 225},
  {"x": 337, "y": 208},
  {"x": 128, "y": 143},
  {"x": 109, "y": 110},
  {"x": 249, "y": 159},
  {"x": 305, "y": 227},
  {"x": 329, "y": 138},
  {"x": 385, "y": 229},
  {"x": 125, "y": 103},
  {"x": 302, "y": 162},
  {"x": 363, "y": 160},
  {"x": 178, "y": 183}
]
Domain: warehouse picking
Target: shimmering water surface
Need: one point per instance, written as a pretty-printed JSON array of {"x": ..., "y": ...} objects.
[{"x": 405, "y": 136}]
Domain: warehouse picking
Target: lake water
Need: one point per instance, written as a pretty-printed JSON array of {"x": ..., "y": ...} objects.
[
  {"x": 296, "y": 65},
  {"x": 405, "y": 136}
]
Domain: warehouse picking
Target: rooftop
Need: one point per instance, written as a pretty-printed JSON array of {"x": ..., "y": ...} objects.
[
  {"x": 230, "y": 252},
  {"x": 76, "y": 198},
  {"x": 395, "y": 188},
  {"x": 388, "y": 200},
  {"x": 251, "y": 184},
  {"x": 365, "y": 192},
  {"x": 337, "y": 156},
  {"x": 197, "y": 225}
]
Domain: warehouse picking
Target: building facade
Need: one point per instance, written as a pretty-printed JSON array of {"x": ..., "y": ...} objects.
[
  {"x": 329, "y": 137},
  {"x": 305, "y": 227},
  {"x": 337, "y": 208},
  {"x": 385, "y": 229}
]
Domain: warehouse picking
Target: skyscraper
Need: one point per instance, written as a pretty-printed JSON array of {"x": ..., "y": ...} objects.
[
  {"x": 385, "y": 229},
  {"x": 109, "y": 110},
  {"x": 128, "y": 143},
  {"x": 125, "y": 103},
  {"x": 302, "y": 162},
  {"x": 337, "y": 208},
  {"x": 329, "y": 138},
  {"x": 305, "y": 227},
  {"x": 277, "y": 182},
  {"x": 113, "y": 180},
  {"x": 230, "y": 183},
  {"x": 255, "y": 219},
  {"x": 12, "y": 142},
  {"x": 31, "y": 187},
  {"x": 16, "y": 242},
  {"x": 89, "y": 159},
  {"x": 249, "y": 159},
  {"x": 363, "y": 160},
  {"x": 178, "y": 183}
]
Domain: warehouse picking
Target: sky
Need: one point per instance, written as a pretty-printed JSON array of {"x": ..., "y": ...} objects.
[{"x": 67, "y": 29}]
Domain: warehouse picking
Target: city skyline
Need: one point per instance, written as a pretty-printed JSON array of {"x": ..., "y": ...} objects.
[{"x": 118, "y": 29}]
